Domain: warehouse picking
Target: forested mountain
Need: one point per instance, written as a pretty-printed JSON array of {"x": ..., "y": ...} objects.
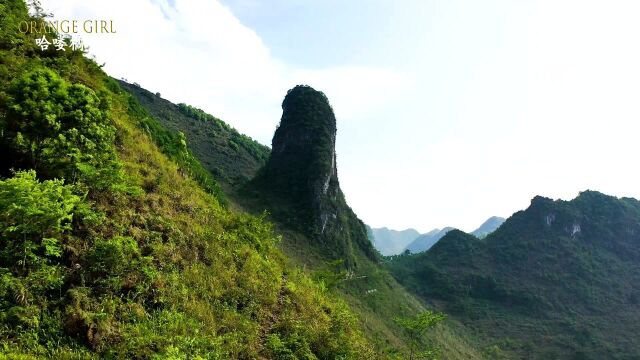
[
  {"x": 134, "y": 228},
  {"x": 116, "y": 241},
  {"x": 369, "y": 290},
  {"x": 425, "y": 241},
  {"x": 557, "y": 280}
]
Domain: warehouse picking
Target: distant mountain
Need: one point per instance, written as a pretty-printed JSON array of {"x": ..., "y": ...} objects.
[
  {"x": 559, "y": 280},
  {"x": 488, "y": 226},
  {"x": 392, "y": 242},
  {"x": 426, "y": 241}
]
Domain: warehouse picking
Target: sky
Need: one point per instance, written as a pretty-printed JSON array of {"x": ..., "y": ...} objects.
[{"x": 449, "y": 112}]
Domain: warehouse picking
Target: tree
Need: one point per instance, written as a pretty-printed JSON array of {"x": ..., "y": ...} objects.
[
  {"x": 35, "y": 223},
  {"x": 34, "y": 217},
  {"x": 415, "y": 328},
  {"x": 331, "y": 275},
  {"x": 57, "y": 128}
]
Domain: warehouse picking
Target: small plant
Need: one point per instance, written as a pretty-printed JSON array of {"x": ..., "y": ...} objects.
[{"x": 415, "y": 328}]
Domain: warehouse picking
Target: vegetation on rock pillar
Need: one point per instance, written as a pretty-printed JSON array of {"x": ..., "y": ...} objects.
[{"x": 302, "y": 174}]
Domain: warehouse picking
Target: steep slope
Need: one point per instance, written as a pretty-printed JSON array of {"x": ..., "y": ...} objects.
[
  {"x": 425, "y": 241},
  {"x": 558, "y": 280},
  {"x": 369, "y": 290},
  {"x": 489, "y": 226},
  {"x": 392, "y": 242},
  {"x": 231, "y": 157},
  {"x": 299, "y": 186},
  {"x": 132, "y": 255}
]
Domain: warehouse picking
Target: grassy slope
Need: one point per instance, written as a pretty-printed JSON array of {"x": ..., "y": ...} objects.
[
  {"x": 230, "y": 157},
  {"x": 376, "y": 310},
  {"x": 213, "y": 283},
  {"x": 534, "y": 290}
]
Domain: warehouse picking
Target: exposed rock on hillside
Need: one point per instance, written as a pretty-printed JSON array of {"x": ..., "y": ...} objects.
[{"x": 302, "y": 171}]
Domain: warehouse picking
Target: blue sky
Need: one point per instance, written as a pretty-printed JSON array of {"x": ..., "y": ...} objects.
[
  {"x": 331, "y": 33},
  {"x": 448, "y": 111}
]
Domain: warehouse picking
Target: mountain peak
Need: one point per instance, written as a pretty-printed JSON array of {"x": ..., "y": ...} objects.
[
  {"x": 489, "y": 226},
  {"x": 302, "y": 171},
  {"x": 302, "y": 166},
  {"x": 537, "y": 200}
]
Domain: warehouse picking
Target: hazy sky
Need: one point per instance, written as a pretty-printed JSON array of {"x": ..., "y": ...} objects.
[{"x": 448, "y": 111}]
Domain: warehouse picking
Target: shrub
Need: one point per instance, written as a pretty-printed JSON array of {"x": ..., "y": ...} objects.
[
  {"x": 35, "y": 224},
  {"x": 34, "y": 219},
  {"x": 59, "y": 129}
]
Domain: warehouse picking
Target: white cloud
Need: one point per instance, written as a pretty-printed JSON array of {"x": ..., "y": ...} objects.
[
  {"x": 480, "y": 107},
  {"x": 198, "y": 52}
]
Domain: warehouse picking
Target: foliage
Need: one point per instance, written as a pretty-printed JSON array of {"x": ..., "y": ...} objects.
[
  {"x": 232, "y": 158},
  {"x": 174, "y": 144},
  {"x": 163, "y": 272},
  {"x": 33, "y": 219},
  {"x": 236, "y": 140},
  {"x": 59, "y": 129},
  {"x": 415, "y": 328},
  {"x": 567, "y": 267},
  {"x": 36, "y": 219},
  {"x": 331, "y": 275}
]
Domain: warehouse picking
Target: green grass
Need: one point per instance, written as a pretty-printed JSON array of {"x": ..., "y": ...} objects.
[{"x": 232, "y": 158}]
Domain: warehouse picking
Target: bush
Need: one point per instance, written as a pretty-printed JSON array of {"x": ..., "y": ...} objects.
[
  {"x": 34, "y": 219},
  {"x": 59, "y": 129},
  {"x": 35, "y": 224}
]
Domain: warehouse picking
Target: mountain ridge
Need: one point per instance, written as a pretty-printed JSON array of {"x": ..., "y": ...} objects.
[
  {"x": 425, "y": 241},
  {"x": 391, "y": 242},
  {"x": 569, "y": 267},
  {"x": 489, "y": 226}
]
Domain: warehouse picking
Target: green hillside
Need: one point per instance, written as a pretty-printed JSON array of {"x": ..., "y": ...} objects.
[
  {"x": 115, "y": 243},
  {"x": 376, "y": 309},
  {"x": 231, "y": 157},
  {"x": 135, "y": 228},
  {"x": 558, "y": 280},
  {"x": 119, "y": 239}
]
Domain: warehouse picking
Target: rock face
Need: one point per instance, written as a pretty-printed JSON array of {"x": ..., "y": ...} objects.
[
  {"x": 302, "y": 166},
  {"x": 302, "y": 171}
]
